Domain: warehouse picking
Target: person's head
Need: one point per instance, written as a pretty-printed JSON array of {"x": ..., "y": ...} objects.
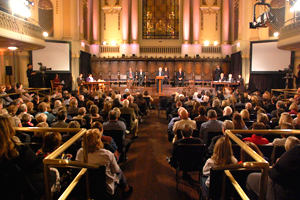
[
  {"x": 216, "y": 103},
  {"x": 258, "y": 126},
  {"x": 73, "y": 103},
  {"x": 166, "y": 69},
  {"x": 129, "y": 69},
  {"x": 29, "y": 66},
  {"x": 202, "y": 110},
  {"x": 41, "y": 125},
  {"x": 2, "y": 88},
  {"x": 219, "y": 154},
  {"x": 82, "y": 111},
  {"x": 12, "y": 109},
  {"x": 125, "y": 103},
  {"x": 112, "y": 115},
  {"x": 74, "y": 124},
  {"x": 94, "y": 110},
  {"x": 240, "y": 76},
  {"x": 184, "y": 114},
  {"x": 86, "y": 120},
  {"x": 94, "y": 142},
  {"x": 245, "y": 114},
  {"x": 229, "y": 75},
  {"x": 80, "y": 75},
  {"x": 285, "y": 117},
  {"x": 290, "y": 142},
  {"x": 81, "y": 98},
  {"x": 180, "y": 69},
  {"x": 42, "y": 107},
  {"x": 29, "y": 106},
  {"x": 118, "y": 112},
  {"x": 97, "y": 125},
  {"x": 26, "y": 118},
  {"x": 279, "y": 104},
  {"x": 186, "y": 131},
  {"x": 218, "y": 67},
  {"x": 286, "y": 125},
  {"x": 7, "y": 143},
  {"x": 238, "y": 121},
  {"x": 56, "y": 75},
  {"x": 227, "y": 124},
  {"x": 293, "y": 106},
  {"x": 41, "y": 117},
  {"x": 245, "y": 157},
  {"x": 19, "y": 85},
  {"x": 212, "y": 114},
  {"x": 248, "y": 106},
  {"x": 107, "y": 107},
  {"x": 62, "y": 115},
  {"x": 23, "y": 108},
  {"x": 51, "y": 141},
  {"x": 262, "y": 117},
  {"x": 141, "y": 70},
  {"x": 90, "y": 75},
  {"x": 222, "y": 75},
  {"x": 227, "y": 111},
  {"x": 88, "y": 104}
]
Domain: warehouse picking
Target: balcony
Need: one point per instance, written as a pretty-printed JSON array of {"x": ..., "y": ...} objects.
[
  {"x": 24, "y": 34},
  {"x": 289, "y": 35}
]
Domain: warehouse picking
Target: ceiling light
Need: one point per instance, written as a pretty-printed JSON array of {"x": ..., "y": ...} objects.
[
  {"x": 114, "y": 43},
  {"x": 104, "y": 42},
  {"x": 20, "y": 8},
  {"x": 206, "y": 43},
  {"x": 276, "y": 34},
  {"x": 215, "y": 43},
  {"x": 12, "y": 48},
  {"x": 45, "y": 34}
]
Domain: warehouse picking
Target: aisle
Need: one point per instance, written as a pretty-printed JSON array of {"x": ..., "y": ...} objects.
[{"x": 147, "y": 169}]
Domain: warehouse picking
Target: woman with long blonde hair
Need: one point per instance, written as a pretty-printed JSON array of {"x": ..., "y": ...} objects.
[{"x": 219, "y": 157}]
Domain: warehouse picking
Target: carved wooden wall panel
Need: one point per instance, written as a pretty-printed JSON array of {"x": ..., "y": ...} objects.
[
  {"x": 198, "y": 68},
  {"x": 207, "y": 71},
  {"x": 114, "y": 70},
  {"x": 105, "y": 70},
  {"x": 188, "y": 68},
  {"x": 123, "y": 68},
  {"x": 132, "y": 65},
  {"x": 151, "y": 69},
  {"x": 141, "y": 65},
  {"x": 178, "y": 65},
  {"x": 96, "y": 70},
  {"x": 225, "y": 68},
  {"x": 171, "y": 67}
]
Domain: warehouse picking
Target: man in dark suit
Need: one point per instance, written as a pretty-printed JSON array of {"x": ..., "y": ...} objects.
[
  {"x": 141, "y": 77},
  {"x": 80, "y": 82},
  {"x": 222, "y": 78},
  {"x": 159, "y": 73},
  {"x": 166, "y": 75},
  {"x": 218, "y": 72},
  {"x": 180, "y": 77}
]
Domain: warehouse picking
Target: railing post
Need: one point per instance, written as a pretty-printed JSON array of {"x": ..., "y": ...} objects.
[
  {"x": 47, "y": 182},
  {"x": 85, "y": 159}
]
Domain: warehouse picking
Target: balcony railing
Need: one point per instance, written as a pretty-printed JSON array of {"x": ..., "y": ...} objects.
[
  {"x": 290, "y": 29},
  {"x": 25, "y": 27}
]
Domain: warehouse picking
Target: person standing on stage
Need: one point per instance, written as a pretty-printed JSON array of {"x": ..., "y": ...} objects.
[
  {"x": 218, "y": 72},
  {"x": 79, "y": 81},
  {"x": 159, "y": 73},
  {"x": 180, "y": 77},
  {"x": 166, "y": 75},
  {"x": 30, "y": 74},
  {"x": 141, "y": 77},
  {"x": 90, "y": 78}
]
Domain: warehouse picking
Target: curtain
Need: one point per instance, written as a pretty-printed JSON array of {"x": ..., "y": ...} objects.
[
  {"x": 266, "y": 82},
  {"x": 85, "y": 64},
  {"x": 236, "y": 64}
]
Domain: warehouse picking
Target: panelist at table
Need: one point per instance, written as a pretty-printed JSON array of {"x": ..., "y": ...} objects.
[
  {"x": 141, "y": 77},
  {"x": 180, "y": 77},
  {"x": 159, "y": 73},
  {"x": 90, "y": 78},
  {"x": 230, "y": 79},
  {"x": 222, "y": 78}
]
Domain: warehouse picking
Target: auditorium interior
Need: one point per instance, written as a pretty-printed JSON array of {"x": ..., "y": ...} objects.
[{"x": 171, "y": 67}]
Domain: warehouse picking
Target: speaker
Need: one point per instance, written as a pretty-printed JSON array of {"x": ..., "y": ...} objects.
[{"x": 8, "y": 70}]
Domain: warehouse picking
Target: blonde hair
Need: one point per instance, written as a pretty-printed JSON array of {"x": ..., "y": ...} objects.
[
  {"x": 42, "y": 125},
  {"x": 219, "y": 153},
  {"x": 293, "y": 106},
  {"x": 41, "y": 117},
  {"x": 290, "y": 142},
  {"x": 7, "y": 143},
  {"x": 94, "y": 140},
  {"x": 285, "y": 117},
  {"x": 245, "y": 114},
  {"x": 261, "y": 117}
]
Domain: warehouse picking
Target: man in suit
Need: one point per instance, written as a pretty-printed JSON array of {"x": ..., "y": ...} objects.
[
  {"x": 134, "y": 120},
  {"x": 61, "y": 118},
  {"x": 159, "y": 73},
  {"x": 212, "y": 125},
  {"x": 166, "y": 75},
  {"x": 226, "y": 114},
  {"x": 90, "y": 78},
  {"x": 141, "y": 77},
  {"x": 218, "y": 72},
  {"x": 80, "y": 82},
  {"x": 180, "y": 77},
  {"x": 230, "y": 79},
  {"x": 222, "y": 78},
  {"x": 73, "y": 109}
]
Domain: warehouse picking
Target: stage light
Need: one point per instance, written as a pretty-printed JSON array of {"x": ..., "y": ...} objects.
[
  {"x": 20, "y": 8},
  {"x": 216, "y": 43},
  {"x": 296, "y": 6},
  {"x": 45, "y": 34},
  {"x": 206, "y": 43},
  {"x": 104, "y": 42},
  {"x": 113, "y": 43},
  {"x": 276, "y": 34},
  {"x": 12, "y": 48}
]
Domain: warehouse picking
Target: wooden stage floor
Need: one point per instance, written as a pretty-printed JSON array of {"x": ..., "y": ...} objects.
[{"x": 167, "y": 89}]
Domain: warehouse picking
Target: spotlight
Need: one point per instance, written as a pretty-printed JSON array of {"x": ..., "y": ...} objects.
[
  {"x": 206, "y": 43},
  {"x": 215, "y": 43},
  {"x": 276, "y": 34},
  {"x": 114, "y": 43},
  {"x": 45, "y": 34},
  {"x": 104, "y": 42},
  {"x": 12, "y": 48}
]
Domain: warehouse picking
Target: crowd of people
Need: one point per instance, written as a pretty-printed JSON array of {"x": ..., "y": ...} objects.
[
  {"x": 206, "y": 116},
  {"x": 98, "y": 112}
]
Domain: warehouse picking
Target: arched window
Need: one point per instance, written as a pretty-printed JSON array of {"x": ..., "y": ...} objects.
[
  {"x": 46, "y": 16},
  {"x": 160, "y": 19}
]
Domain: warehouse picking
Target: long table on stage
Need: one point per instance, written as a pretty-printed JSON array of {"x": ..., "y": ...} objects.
[
  {"x": 92, "y": 84},
  {"x": 224, "y": 83}
]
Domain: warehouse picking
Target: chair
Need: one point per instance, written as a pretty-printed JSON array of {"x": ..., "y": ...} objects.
[
  {"x": 117, "y": 135},
  {"x": 52, "y": 86},
  {"x": 276, "y": 153},
  {"x": 199, "y": 123},
  {"x": 162, "y": 103},
  {"x": 266, "y": 149},
  {"x": 249, "y": 123},
  {"x": 127, "y": 118},
  {"x": 190, "y": 159},
  {"x": 148, "y": 103},
  {"x": 35, "y": 146},
  {"x": 207, "y": 138}
]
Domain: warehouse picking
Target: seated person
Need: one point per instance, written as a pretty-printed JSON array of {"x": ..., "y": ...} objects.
[
  {"x": 25, "y": 96},
  {"x": 141, "y": 77},
  {"x": 230, "y": 79},
  {"x": 180, "y": 77},
  {"x": 57, "y": 83},
  {"x": 61, "y": 120},
  {"x": 90, "y": 78},
  {"x": 187, "y": 138},
  {"x": 222, "y": 78},
  {"x": 257, "y": 138},
  {"x": 99, "y": 156},
  {"x": 166, "y": 75},
  {"x": 130, "y": 77}
]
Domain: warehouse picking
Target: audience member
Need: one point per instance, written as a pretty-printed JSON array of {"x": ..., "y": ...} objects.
[
  {"x": 202, "y": 114},
  {"x": 81, "y": 113},
  {"x": 61, "y": 120},
  {"x": 257, "y": 138},
  {"x": 227, "y": 112}
]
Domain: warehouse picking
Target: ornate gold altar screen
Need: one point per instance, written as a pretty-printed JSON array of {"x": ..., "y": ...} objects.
[{"x": 115, "y": 69}]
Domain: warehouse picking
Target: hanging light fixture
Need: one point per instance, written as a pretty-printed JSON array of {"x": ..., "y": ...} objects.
[{"x": 111, "y": 3}]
